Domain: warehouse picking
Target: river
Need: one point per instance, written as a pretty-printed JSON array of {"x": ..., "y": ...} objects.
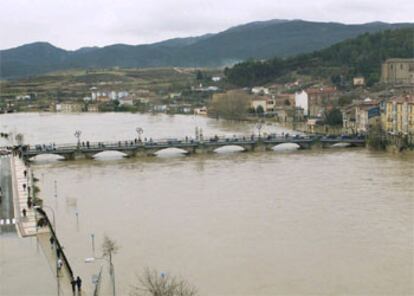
[{"x": 332, "y": 221}]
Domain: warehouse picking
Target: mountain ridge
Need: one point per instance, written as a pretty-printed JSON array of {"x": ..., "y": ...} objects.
[{"x": 257, "y": 40}]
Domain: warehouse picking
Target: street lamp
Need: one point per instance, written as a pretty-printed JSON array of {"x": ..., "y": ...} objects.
[
  {"x": 111, "y": 268},
  {"x": 259, "y": 126},
  {"x": 77, "y": 135},
  {"x": 140, "y": 131}
]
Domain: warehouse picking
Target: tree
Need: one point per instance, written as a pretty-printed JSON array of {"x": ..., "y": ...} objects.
[
  {"x": 200, "y": 75},
  {"x": 153, "y": 283},
  {"x": 259, "y": 110},
  {"x": 19, "y": 139},
  {"x": 230, "y": 105},
  {"x": 333, "y": 117},
  {"x": 110, "y": 247}
]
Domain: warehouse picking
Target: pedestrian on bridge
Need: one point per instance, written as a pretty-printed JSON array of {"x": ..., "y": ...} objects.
[
  {"x": 73, "y": 283},
  {"x": 79, "y": 283}
]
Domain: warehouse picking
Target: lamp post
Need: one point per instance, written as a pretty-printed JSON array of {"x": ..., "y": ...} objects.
[
  {"x": 77, "y": 135},
  {"x": 259, "y": 126},
  {"x": 139, "y": 131},
  {"x": 111, "y": 268}
]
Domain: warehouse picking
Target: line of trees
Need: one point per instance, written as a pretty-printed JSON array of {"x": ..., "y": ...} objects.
[{"x": 359, "y": 56}]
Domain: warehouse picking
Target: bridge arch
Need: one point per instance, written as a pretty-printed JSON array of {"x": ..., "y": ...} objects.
[
  {"x": 287, "y": 146},
  {"x": 170, "y": 151},
  {"x": 108, "y": 154},
  {"x": 229, "y": 148},
  {"x": 46, "y": 156}
]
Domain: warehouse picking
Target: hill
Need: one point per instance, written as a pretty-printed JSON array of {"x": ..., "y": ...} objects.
[
  {"x": 259, "y": 40},
  {"x": 362, "y": 55}
]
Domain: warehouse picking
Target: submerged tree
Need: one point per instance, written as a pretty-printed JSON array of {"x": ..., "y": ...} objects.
[
  {"x": 153, "y": 283},
  {"x": 230, "y": 105}
]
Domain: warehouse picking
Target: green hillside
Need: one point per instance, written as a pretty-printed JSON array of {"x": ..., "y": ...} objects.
[{"x": 359, "y": 56}]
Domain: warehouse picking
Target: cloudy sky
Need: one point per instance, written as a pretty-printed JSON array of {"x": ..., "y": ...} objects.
[{"x": 72, "y": 24}]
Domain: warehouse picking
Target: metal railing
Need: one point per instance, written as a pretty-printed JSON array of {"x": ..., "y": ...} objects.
[{"x": 58, "y": 245}]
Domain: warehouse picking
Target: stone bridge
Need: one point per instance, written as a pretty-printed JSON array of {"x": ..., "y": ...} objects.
[{"x": 87, "y": 150}]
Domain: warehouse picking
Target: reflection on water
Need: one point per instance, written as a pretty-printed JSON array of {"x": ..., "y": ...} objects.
[{"x": 334, "y": 221}]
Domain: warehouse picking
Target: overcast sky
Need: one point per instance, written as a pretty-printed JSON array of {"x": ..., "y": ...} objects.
[{"x": 71, "y": 24}]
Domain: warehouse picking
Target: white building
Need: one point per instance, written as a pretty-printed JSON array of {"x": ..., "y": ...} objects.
[
  {"x": 126, "y": 101},
  {"x": 257, "y": 90},
  {"x": 302, "y": 101}
]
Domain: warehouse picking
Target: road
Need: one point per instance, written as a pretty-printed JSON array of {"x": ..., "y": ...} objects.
[{"x": 6, "y": 206}]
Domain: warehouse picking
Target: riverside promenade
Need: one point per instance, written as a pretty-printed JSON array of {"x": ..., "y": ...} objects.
[{"x": 28, "y": 226}]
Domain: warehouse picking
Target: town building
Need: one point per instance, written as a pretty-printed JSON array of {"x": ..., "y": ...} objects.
[
  {"x": 201, "y": 111},
  {"x": 301, "y": 101},
  {"x": 285, "y": 99},
  {"x": 319, "y": 98},
  {"x": 92, "y": 108},
  {"x": 126, "y": 101},
  {"x": 399, "y": 115},
  {"x": 358, "y": 81},
  {"x": 359, "y": 116},
  {"x": 260, "y": 90},
  {"x": 398, "y": 71},
  {"x": 69, "y": 107},
  {"x": 267, "y": 103}
]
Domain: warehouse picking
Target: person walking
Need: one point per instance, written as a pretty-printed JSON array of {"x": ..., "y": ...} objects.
[
  {"x": 79, "y": 283},
  {"x": 73, "y": 283},
  {"x": 52, "y": 241},
  {"x": 59, "y": 264},
  {"x": 24, "y": 213}
]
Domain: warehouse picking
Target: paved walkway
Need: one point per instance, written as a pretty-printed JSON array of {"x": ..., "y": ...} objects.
[{"x": 27, "y": 225}]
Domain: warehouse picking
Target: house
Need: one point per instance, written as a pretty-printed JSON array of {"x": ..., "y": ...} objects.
[
  {"x": 174, "y": 95},
  {"x": 359, "y": 116},
  {"x": 285, "y": 99},
  {"x": 92, "y": 108},
  {"x": 70, "y": 107},
  {"x": 160, "y": 108},
  {"x": 399, "y": 115},
  {"x": 319, "y": 98},
  {"x": 201, "y": 111},
  {"x": 398, "y": 71},
  {"x": 301, "y": 101},
  {"x": 260, "y": 90},
  {"x": 267, "y": 103},
  {"x": 126, "y": 101},
  {"x": 23, "y": 97},
  {"x": 289, "y": 114},
  {"x": 358, "y": 81}
]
